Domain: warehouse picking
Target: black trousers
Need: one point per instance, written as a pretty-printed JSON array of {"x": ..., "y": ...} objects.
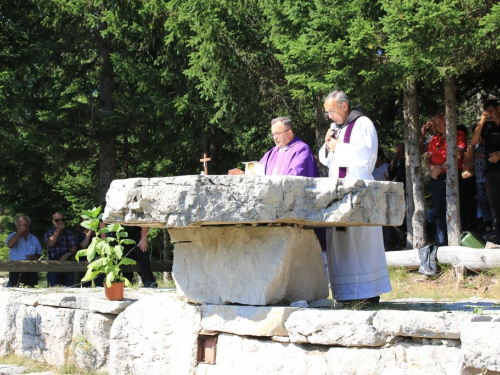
[
  {"x": 468, "y": 208},
  {"x": 142, "y": 259},
  {"x": 17, "y": 279},
  {"x": 492, "y": 183}
]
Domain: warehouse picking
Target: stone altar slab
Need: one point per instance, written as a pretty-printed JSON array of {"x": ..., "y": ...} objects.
[{"x": 190, "y": 201}]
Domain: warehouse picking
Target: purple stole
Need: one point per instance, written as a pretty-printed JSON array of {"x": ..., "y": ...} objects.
[
  {"x": 343, "y": 170},
  {"x": 347, "y": 139}
]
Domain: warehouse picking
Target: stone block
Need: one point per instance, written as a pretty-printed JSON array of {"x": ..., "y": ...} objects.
[
  {"x": 248, "y": 265},
  {"x": 101, "y": 305},
  {"x": 12, "y": 370},
  {"x": 55, "y": 332},
  {"x": 480, "y": 348},
  {"x": 220, "y": 200},
  {"x": 90, "y": 343},
  {"x": 248, "y": 356},
  {"x": 70, "y": 300},
  {"x": 420, "y": 323},
  {"x": 8, "y": 312},
  {"x": 342, "y": 327},
  {"x": 245, "y": 320},
  {"x": 156, "y": 335}
]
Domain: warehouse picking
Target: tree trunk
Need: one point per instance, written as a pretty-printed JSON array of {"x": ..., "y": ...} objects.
[
  {"x": 410, "y": 205},
  {"x": 107, "y": 133},
  {"x": 472, "y": 259},
  {"x": 414, "y": 178},
  {"x": 452, "y": 194},
  {"x": 107, "y": 166}
]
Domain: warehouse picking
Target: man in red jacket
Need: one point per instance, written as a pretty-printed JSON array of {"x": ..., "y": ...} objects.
[{"x": 436, "y": 162}]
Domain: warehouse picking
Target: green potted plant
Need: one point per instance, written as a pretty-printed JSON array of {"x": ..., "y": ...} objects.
[{"x": 105, "y": 255}]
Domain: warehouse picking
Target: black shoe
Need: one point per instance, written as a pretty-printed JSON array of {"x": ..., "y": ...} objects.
[{"x": 150, "y": 284}]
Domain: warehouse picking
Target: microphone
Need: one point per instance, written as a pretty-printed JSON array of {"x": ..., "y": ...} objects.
[{"x": 335, "y": 129}]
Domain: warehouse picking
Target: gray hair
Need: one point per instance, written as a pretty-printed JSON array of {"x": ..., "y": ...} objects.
[
  {"x": 285, "y": 120},
  {"x": 22, "y": 217},
  {"x": 340, "y": 97}
]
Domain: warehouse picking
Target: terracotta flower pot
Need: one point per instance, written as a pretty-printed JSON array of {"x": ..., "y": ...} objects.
[{"x": 115, "y": 292}]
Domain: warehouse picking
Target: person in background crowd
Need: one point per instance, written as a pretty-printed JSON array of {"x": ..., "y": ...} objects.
[
  {"x": 23, "y": 246},
  {"x": 482, "y": 198},
  {"x": 380, "y": 172},
  {"x": 467, "y": 188},
  {"x": 61, "y": 245},
  {"x": 83, "y": 240},
  {"x": 488, "y": 129},
  {"x": 397, "y": 168},
  {"x": 428, "y": 128},
  {"x": 436, "y": 162},
  {"x": 397, "y": 173},
  {"x": 139, "y": 252}
]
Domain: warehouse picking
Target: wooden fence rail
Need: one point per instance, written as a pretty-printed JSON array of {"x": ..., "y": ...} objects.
[{"x": 70, "y": 266}]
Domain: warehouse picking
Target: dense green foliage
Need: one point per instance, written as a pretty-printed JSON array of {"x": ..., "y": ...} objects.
[{"x": 92, "y": 90}]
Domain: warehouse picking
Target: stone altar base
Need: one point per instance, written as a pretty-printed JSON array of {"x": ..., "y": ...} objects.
[
  {"x": 224, "y": 251},
  {"x": 248, "y": 265},
  {"x": 154, "y": 332}
]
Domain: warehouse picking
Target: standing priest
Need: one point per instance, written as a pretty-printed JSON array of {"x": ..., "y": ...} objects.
[{"x": 356, "y": 256}]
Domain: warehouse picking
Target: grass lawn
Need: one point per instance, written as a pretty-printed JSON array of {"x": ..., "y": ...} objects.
[{"x": 411, "y": 284}]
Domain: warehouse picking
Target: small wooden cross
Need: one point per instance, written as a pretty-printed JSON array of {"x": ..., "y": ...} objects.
[{"x": 205, "y": 164}]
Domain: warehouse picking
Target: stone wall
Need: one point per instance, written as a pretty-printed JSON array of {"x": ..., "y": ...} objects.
[
  {"x": 60, "y": 326},
  {"x": 155, "y": 332}
]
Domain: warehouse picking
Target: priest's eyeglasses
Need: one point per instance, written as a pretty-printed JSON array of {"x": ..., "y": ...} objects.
[
  {"x": 331, "y": 112},
  {"x": 273, "y": 135}
]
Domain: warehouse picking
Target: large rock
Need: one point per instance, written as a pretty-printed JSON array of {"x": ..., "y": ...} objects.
[
  {"x": 56, "y": 327},
  {"x": 481, "y": 348},
  {"x": 246, "y": 320},
  {"x": 218, "y": 200},
  {"x": 421, "y": 323},
  {"x": 159, "y": 333},
  {"x": 243, "y": 355},
  {"x": 335, "y": 327},
  {"x": 156, "y": 335},
  {"x": 249, "y": 265},
  {"x": 8, "y": 311}
]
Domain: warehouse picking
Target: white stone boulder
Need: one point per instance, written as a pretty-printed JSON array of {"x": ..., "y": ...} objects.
[
  {"x": 335, "y": 327},
  {"x": 480, "y": 348},
  {"x": 8, "y": 311},
  {"x": 249, "y": 265},
  {"x": 246, "y": 320},
  {"x": 220, "y": 200},
  {"x": 156, "y": 335},
  {"x": 249, "y": 356},
  {"x": 421, "y": 323}
]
